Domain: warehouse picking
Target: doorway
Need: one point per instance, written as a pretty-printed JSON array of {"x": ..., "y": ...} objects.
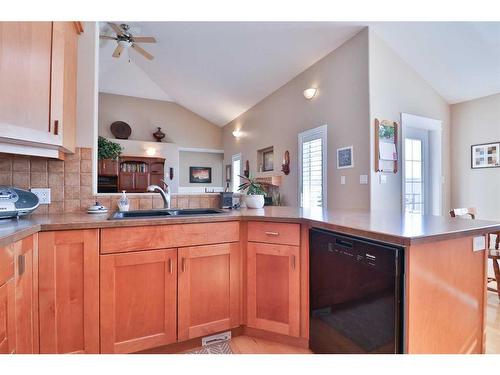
[{"x": 421, "y": 164}]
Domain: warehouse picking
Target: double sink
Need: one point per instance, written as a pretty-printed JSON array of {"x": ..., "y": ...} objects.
[{"x": 164, "y": 213}]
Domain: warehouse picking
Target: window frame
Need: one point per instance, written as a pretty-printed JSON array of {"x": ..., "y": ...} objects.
[
  {"x": 234, "y": 173},
  {"x": 320, "y": 132}
]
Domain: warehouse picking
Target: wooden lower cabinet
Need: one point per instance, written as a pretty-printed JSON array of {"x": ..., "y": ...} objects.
[
  {"x": 138, "y": 300},
  {"x": 273, "y": 288},
  {"x": 7, "y": 317},
  {"x": 209, "y": 289},
  {"x": 69, "y": 291},
  {"x": 26, "y": 295}
]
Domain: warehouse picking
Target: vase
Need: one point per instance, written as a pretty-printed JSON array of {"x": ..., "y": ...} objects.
[
  {"x": 254, "y": 201},
  {"x": 159, "y": 135}
]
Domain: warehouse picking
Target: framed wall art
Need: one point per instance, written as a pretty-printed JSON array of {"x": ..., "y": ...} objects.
[
  {"x": 345, "y": 157},
  {"x": 486, "y": 155},
  {"x": 200, "y": 175}
]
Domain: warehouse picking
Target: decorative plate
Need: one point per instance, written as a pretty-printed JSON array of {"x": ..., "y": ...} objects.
[{"x": 120, "y": 129}]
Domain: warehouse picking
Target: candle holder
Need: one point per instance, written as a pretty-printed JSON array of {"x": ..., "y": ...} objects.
[{"x": 285, "y": 167}]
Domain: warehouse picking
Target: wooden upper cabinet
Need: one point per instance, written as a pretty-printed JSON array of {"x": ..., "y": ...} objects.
[
  {"x": 69, "y": 291},
  {"x": 25, "y": 69},
  {"x": 107, "y": 167},
  {"x": 38, "y": 72},
  {"x": 273, "y": 288},
  {"x": 138, "y": 300},
  {"x": 209, "y": 289},
  {"x": 26, "y": 295}
]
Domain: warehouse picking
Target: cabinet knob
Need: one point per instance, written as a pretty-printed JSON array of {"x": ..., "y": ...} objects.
[
  {"x": 272, "y": 233},
  {"x": 56, "y": 127},
  {"x": 170, "y": 266},
  {"x": 183, "y": 264},
  {"x": 293, "y": 262},
  {"x": 21, "y": 261}
]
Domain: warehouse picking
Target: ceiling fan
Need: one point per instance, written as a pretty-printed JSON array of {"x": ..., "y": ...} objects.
[{"x": 126, "y": 40}]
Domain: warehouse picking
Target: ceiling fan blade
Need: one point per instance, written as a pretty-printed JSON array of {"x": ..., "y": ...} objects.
[
  {"x": 144, "y": 39},
  {"x": 118, "y": 50},
  {"x": 117, "y": 29},
  {"x": 107, "y": 37},
  {"x": 143, "y": 52}
]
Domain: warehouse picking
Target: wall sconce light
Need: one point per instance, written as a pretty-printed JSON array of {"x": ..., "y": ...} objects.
[
  {"x": 151, "y": 151},
  {"x": 310, "y": 93},
  {"x": 237, "y": 133}
]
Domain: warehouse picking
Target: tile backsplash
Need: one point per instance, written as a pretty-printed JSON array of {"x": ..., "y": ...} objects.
[{"x": 70, "y": 183}]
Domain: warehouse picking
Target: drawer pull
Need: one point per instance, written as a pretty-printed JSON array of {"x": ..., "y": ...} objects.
[
  {"x": 170, "y": 266},
  {"x": 272, "y": 233}
]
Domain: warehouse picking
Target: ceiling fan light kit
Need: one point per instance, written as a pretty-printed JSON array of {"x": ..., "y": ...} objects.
[{"x": 125, "y": 40}]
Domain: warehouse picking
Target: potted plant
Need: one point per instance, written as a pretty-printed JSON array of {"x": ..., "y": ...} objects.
[
  {"x": 107, "y": 149},
  {"x": 254, "y": 192}
]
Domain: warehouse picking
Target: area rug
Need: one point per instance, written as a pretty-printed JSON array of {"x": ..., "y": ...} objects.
[{"x": 219, "y": 348}]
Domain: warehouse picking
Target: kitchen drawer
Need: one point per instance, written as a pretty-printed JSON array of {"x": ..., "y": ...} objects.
[
  {"x": 6, "y": 263},
  {"x": 117, "y": 240},
  {"x": 269, "y": 232}
]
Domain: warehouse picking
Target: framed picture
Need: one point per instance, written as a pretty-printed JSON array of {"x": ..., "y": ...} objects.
[
  {"x": 345, "y": 157},
  {"x": 228, "y": 172},
  {"x": 267, "y": 160},
  {"x": 486, "y": 155},
  {"x": 200, "y": 175}
]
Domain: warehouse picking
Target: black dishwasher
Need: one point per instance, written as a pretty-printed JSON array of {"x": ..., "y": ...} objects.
[{"x": 356, "y": 294}]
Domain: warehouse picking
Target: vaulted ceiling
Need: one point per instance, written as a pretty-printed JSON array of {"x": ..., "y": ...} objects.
[{"x": 221, "y": 69}]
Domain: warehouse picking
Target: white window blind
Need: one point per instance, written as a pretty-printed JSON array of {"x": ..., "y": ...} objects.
[
  {"x": 236, "y": 171},
  {"x": 312, "y": 168}
]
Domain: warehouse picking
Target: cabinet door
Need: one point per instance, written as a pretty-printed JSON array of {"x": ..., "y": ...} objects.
[
  {"x": 209, "y": 289},
  {"x": 108, "y": 167},
  {"x": 69, "y": 291},
  {"x": 7, "y": 318},
  {"x": 126, "y": 181},
  {"x": 25, "y": 66},
  {"x": 138, "y": 300},
  {"x": 141, "y": 181},
  {"x": 273, "y": 288},
  {"x": 26, "y": 296}
]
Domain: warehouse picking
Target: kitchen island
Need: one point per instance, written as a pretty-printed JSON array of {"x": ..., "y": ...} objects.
[{"x": 444, "y": 281}]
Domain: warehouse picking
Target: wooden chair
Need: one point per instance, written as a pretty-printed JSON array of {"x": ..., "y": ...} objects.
[{"x": 493, "y": 254}]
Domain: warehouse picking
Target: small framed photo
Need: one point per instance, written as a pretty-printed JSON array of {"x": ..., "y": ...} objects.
[
  {"x": 486, "y": 155},
  {"x": 200, "y": 175},
  {"x": 268, "y": 160},
  {"x": 345, "y": 157}
]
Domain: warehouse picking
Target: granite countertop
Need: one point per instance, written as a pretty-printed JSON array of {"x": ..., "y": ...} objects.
[{"x": 396, "y": 228}]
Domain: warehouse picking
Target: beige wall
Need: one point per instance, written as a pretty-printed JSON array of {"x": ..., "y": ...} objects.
[
  {"x": 474, "y": 122},
  {"x": 181, "y": 126},
  {"x": 200, "y": 159},
  {"x": 342, "y": 103},
  {"x": 396, "y": 88}
]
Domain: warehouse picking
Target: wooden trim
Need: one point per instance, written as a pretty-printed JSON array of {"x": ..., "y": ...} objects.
[
  {"x": 304, "y": 281},
  {"x": 78, "y": 27},
  {"x": 36, "y": 317}
]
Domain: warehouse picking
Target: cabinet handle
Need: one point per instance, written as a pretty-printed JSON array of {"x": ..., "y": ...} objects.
[
  {"x": 21, "y": 265},
  {"x": 56, "y": 127},
  {"x": 183, "y": 264},
  {"x": 272, "y": 233},
  {"x": 170, "y": 266},
  {"x": 293, "y": 262}
]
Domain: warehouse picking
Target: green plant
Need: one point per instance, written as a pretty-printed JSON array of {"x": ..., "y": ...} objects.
[
  {"x": 107, "y": 149},
  {"x": 252, "y": 186}
]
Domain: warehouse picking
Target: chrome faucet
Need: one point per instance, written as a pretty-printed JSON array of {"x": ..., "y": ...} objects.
[{"x": 165, "y": 194}]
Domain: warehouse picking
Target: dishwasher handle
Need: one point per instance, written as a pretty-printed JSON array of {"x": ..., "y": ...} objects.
[{"x": 344, "y": 243}]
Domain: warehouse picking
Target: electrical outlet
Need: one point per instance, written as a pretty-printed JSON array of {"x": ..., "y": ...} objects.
[
  {"x": 43, "y": 194},
  {"x": 363, "y": 179},
  {"x": 342, "y": 180}
]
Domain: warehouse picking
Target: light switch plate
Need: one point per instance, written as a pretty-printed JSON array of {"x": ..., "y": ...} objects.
[
  {"x": 43, "y": 194},
  {"x": 342, "y": 180},
  {"x": 479, "y": 243},
  {"x": 363, "y": 179}
]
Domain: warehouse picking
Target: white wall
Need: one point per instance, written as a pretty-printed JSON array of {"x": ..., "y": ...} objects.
[
  {"x": 200, "y": 159},
  {"x": 396, "y": 88},
  {"x": 474, "y": 122},
  {"x": 342, "y": 103}
]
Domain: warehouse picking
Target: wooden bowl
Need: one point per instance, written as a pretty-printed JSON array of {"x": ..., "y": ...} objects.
[{"x": 120, "y": 129}]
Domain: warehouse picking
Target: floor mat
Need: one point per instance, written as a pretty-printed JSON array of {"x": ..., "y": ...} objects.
[{"x": 219, "y": 348}]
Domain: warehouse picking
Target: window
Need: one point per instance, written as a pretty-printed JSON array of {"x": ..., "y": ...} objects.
[
  {"x": 236, "y": 171},
  {"x": 414, "y": 176},
  {"x": 312, "y": 167}
]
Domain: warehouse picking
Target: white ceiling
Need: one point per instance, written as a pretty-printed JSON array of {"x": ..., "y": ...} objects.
[{"x": 221, "y": 69}]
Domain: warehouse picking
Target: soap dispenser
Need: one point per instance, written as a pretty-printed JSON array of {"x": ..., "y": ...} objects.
[{"x": 123, "y": 202}]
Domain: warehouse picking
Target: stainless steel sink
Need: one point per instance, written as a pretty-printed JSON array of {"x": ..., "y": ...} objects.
[{"x": 164, "y": 213}]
